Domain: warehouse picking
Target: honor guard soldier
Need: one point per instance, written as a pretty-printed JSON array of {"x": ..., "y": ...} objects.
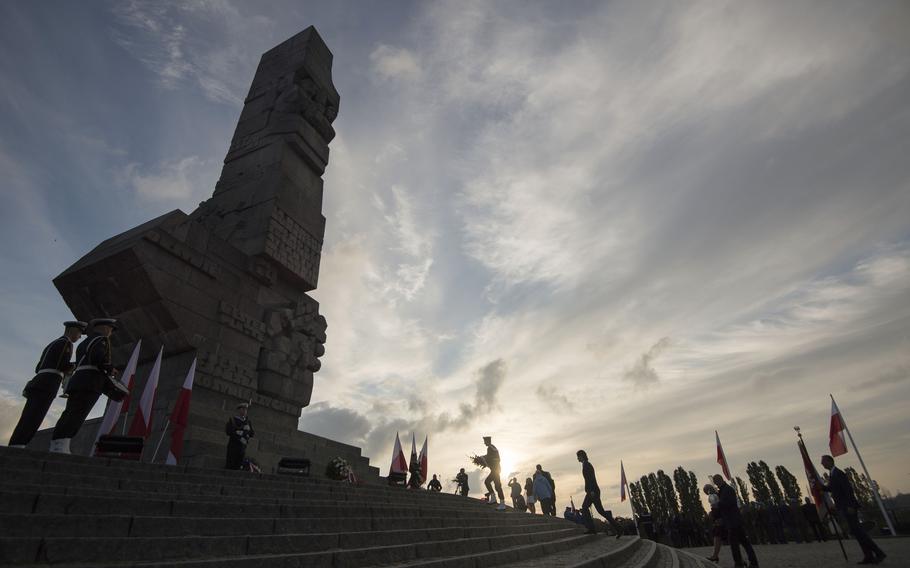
[
  {"x": 92, "y": 378},
  {"x": 53, "y": 365},
  {"x": 239, "y": 430}
]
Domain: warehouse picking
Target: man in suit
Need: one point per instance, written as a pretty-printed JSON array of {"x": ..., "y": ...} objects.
[
  {"x": 39, "y": 393},
  {"x": 93, "y": 370},
  {"x": 847, "y": 505},
  {"x": 592, "y": 497},
  {"x": 728, "y": 509}
]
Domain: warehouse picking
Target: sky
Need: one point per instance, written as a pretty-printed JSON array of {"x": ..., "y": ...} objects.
[{"x": 610, "y": 226}]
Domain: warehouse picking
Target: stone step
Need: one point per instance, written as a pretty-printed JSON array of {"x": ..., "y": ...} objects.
[
  {"x": 596, "y": 546},
  {"x": 637, "y": 556},
  {"x": 690, "y": 560},
  {"x": 75, "y": 484},
  {"x": 35, "y": 526},
  {"x": 332, "y": 549},
  {"x": 49, "y": 473},
  {"x": 113, "y": 504}
]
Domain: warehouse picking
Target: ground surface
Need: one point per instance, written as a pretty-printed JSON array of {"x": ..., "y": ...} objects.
[{"x": 816, "y": 554}]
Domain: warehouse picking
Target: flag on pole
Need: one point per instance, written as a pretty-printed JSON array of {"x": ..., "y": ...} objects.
[
  {"x": 129, "y": 378},
  {"x": 815, "y": 484},
  {"x": 180, "y": 417},
  {"x": 424, "y": 468},
  {"x": 722, "y": 458},
  {"x": 142, "y": 420},
  {"x": 399, "y": 464},
  {"x": 115, "y": 409},
  {"x": 623, "y": 484},
  {"x": 836, "y": 440}
]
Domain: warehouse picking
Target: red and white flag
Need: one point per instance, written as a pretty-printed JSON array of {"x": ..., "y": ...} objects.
[
  {"x": 623, "y": 484},
  {"x": 130, "y": 380},
  {"x": 836, "y": 440},
  {"x": 115, "y": 409},
  {"x": 722, "y": 458},
  {"x": 424, "y": 467},
  {"x": 399, "y": 464},
  {"x": 180, "y": 417},
  {"x": 815, "y": 484},
  {"x": 142, "y": 420}
]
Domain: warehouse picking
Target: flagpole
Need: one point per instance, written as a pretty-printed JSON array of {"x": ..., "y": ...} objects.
[
  {"x": 872, "y": 482},
  {"x": 161, "y": 439}
]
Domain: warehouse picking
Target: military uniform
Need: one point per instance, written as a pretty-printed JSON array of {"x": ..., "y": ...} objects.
[
  {"x": 239, "y": 430},
  {"x": 53, "y": 365},
  {"x": 93, "y": 369}
]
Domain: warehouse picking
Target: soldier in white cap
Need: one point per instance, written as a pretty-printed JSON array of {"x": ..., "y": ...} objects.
[
  {"x": 94, "y": 371},
  {"x": 239, "y": 430},
  {"x": 53, "y": 365}
]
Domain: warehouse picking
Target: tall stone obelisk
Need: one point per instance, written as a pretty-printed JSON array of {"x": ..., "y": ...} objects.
[{"x": 228, "y": 283}]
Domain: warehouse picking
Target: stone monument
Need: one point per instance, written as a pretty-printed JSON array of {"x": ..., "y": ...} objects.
[{"x": 228, "y": 283}]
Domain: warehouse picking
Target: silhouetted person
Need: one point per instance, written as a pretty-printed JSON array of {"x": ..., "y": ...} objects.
[
  {"x": 543, "y": 492},
  {"x": 547, "y": 507},
  {"x": 492, "y": 460},
  {"x": 461, "y": 478},
  {"x": 434, "y": 485},
  {"x": 716, "y": 522},
  {"x": 592, "y": 497},
  {"x": 733, "y": 522},
  {"x": 810, "y": 513},
  {"x": 530, "y": 498},
  {"x": 845, "y": 500},
  {"x": 40, "y": 391}
]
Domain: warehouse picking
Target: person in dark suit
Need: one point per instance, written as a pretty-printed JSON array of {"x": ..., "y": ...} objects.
[
  {"x": 845, "y": 501},
  {"x": 592, "y": 497},
  {"x": 53, "y": 365},
  {"x": 93, "y": 371},
  {"x": 728, "y": 509}
]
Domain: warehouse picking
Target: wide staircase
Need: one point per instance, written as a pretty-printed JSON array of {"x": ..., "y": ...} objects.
[{"x": 78, "y": 511}]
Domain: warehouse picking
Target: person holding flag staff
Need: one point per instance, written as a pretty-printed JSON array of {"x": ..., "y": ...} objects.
[
  {"x": 53, "y": 365},
  {"x": 239, "y": 430},
  {"x": 845, "y": 501},
  {"x": 95, "y": 375}
]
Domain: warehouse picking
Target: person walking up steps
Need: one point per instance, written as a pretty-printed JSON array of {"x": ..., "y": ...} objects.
[
  {"x": 592, "y": 497},
  {"x": 491, "y": 459}
]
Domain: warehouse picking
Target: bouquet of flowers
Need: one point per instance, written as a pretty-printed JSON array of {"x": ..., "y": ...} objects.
[
  {"x": 479, "y": 461},
  {"x": 338, "y": 469}
]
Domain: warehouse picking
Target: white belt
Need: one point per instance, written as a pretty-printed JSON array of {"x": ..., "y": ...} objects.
[
  {"x": 87, "y": 368},
  {"x": 52, "y": 371}
]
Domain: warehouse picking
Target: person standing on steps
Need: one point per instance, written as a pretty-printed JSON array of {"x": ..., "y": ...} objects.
[
  {"x": 94, "y": 371},
  {"x": 461, "y": 479},
  {"x": 547, "y": 507},
  {"x": 845, "y": 501},
  {"x": 492, "y": 461},
  {"x": 592, "y": 497},
  {"x": 728, "y": 507},
  {"x": 53, "y": 365},
  {"x": 239, "y": 430},
  {"x": 530, "y": 498},
  {"x": 434, "y": 485},
  {"x": 543, "y": 492}
]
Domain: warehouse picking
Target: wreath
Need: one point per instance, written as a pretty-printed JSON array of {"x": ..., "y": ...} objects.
[{"x": 338, "y": 469}]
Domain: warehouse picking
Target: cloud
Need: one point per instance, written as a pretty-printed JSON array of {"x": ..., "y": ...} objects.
[
  {"x": 395, "y": 62},
  {"x": 548, "y": 395},
  {"x": 643, "y": 374},
  {"x": 183, "y": 181}
]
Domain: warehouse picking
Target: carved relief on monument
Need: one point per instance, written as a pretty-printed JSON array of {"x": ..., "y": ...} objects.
[
  {"x": 226, "y": 367},
  {"x": 293, "y": 247},
  {"x": 295, "y": 338},
  {"x": 237, "y": 319}
]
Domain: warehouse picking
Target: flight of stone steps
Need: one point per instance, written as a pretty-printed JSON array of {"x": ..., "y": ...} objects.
[{"x": 78, "y": 511}]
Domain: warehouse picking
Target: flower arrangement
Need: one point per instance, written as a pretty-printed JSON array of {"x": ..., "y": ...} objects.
[
  {"x": 338, "y": 469},
  {"x": 479, "y": 461}
]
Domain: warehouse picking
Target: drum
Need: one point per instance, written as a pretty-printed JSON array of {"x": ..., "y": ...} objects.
[{"x": 114, "y": 389}]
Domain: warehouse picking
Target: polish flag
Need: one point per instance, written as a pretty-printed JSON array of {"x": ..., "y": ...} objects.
[
  {"x": 623, "y": 484},
  {"x": 399, "y": 464},
  {"x": 836, "y": 440},
  {"x": 113, "y": 411},
  {"x": 130, "y": 375},
  {"x": 142, "y": 420},
  {"x": 180, "y": 417},
  {"x": 722, "y": 459},
  {"x": 424, "y": 468}
]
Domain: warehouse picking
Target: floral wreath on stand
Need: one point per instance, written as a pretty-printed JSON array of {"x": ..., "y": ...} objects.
[{"x": 338, "y": 469}]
